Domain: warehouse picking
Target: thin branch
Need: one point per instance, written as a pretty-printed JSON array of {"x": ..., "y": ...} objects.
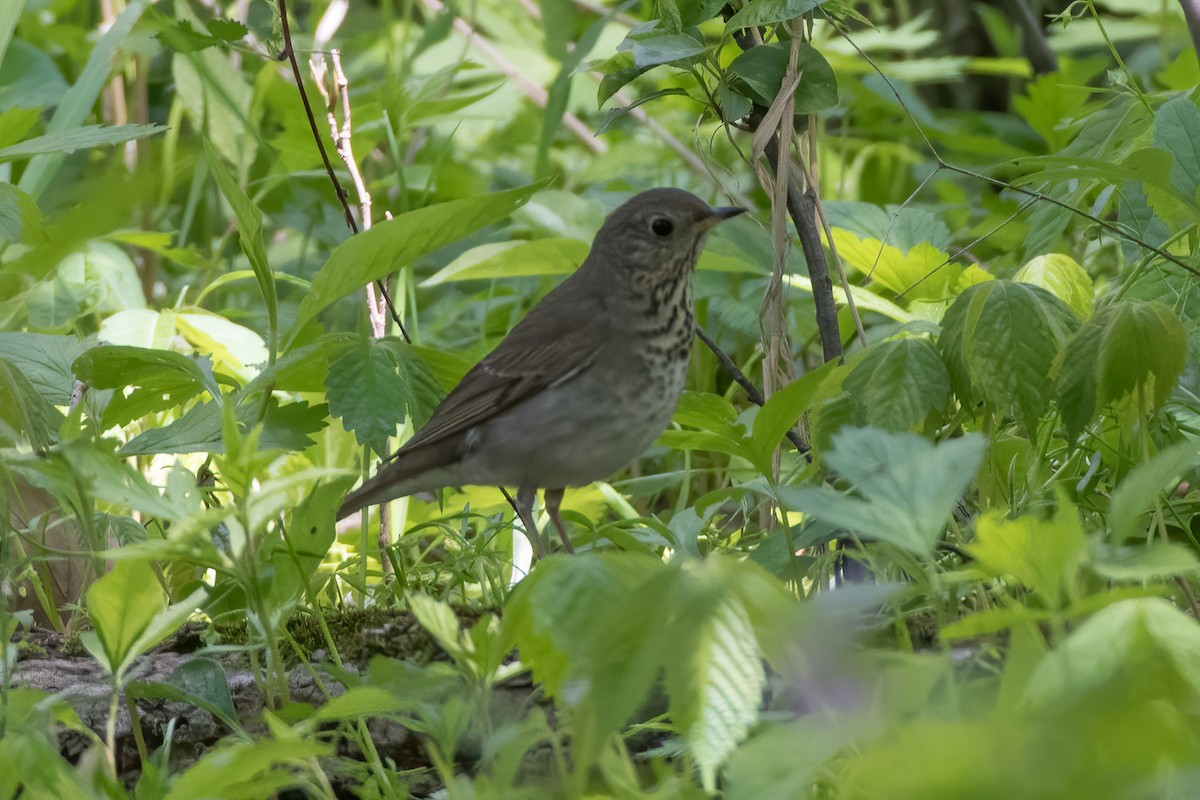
[
  {"x": 1191, "y": 12},
  {"x": 752, "y": 392}
]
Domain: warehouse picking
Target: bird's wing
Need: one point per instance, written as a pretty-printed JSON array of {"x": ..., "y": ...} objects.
[{"x": 542, "y": 350}]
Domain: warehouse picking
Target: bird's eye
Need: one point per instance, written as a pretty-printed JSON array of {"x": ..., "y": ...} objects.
[{"x": 661, "y": 226}]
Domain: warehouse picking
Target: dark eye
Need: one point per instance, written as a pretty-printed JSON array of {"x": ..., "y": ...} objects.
[{"x": 662, "y": 226}]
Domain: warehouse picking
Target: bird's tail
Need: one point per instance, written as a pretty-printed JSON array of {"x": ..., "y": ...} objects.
[{"x": 420, "y": 470}]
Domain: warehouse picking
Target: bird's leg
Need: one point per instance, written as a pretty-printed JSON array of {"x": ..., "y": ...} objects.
[
  {"x": 553, "y": 501},
  {"x": 524, "y": 500}
]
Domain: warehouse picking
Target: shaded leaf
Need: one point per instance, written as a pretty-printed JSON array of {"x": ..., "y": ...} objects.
[{"x": 897, "y": 383}]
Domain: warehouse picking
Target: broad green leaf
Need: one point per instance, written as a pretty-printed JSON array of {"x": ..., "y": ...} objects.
[
  {"x": 1062, "y": 276},
  {"x": 768, "y": 12},
  {"x": 761, "y": 70},
  {"x": 117, "y": 366},
  {"x": 1141, "y": 563},
  {"x": 78, "y": 139},
  {"x": 1125, "y": 348},
  {"x": 20, "y": 217},
  {"x": 45, "y": 361},
  {"x": 1045, "y": 555},
  {"x": 366, "y": 393},
  {"x": 200, "y": 682},
  {"x": 908, "y": 486},
  {"x": 439, "y": 621},
  {"x": 781, "y": 411},
  {"x": 920, "y": 273},
  {"x": 112, "y": 479},
  {"x": 782, "y": 761},
  {"x": 121, "y": 606},
  {"x": 1146, "y": 641},
  {"x": 25, "y": 416},
  {"x": 499, "y": 260},
  {"x": 903, "y": 227},
  {"x": 999, "y": 341},
  {"x": 284, "y": 427},
  {"x": 897, "y": 383},
  {"x": 715, "y": 678},
  {"x": 250, "y": 234},
  {"x": 359, "y": 701},
  {"x": 1142, "y": 485},
  {"x": 659, "y": 47},
  {"x": 244, "y": 770},
  {"x": 1175, "y": 126},
  {"x": 373, "y": 254}
]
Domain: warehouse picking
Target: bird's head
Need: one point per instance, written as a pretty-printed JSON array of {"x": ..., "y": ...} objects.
[{"x": 659, "y": 231}]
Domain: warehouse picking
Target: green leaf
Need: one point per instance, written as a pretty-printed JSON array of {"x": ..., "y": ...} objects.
[
  {"x": 78, "y": 139},
  {"x": 897, "y": 383},
  {"x": 373, "y": 254},
  {"x": 761, "y": 69},
  {"x": 1126, "y": 348},
  {"x": 715, "y": 679},
  {"x": 657, "y": 47},
  {"x": 359, "y": 701},
  {"x": 1175, "y": 124},
  {"x": 1045, "y": 555},
  {"x": 999, "y": 340},
  {"x": 781, "y": 411},
  {"x": 118, "y": 366},
  {"x": 908, "y": 485},
  {"x": 1062, "y": 276},
  {"x": 366, "y": 393},
  {"x": 1147, "y": 642},
  {"x": 200, "y": 682},
  {"x": 768, "y": 12},
  {"x": 779, "y": 762},
  {"x": 121, "y": 606},
  {"x": 1140, "y": 564},
  {"x": 250, "y": 234},
  {"x": 920, "y": 272},
  {"x": 618, "y": 71},
  {"x": 557, "y": 255},
  {"x": 284, "y": 427},
  {"x": 20, "y": 217},
  {"x": 243, "y": 770},
  {"x": 1142, "y": 485},
  {"x": 25, "y": 416}
]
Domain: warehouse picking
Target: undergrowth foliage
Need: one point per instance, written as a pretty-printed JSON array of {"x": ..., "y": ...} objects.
[{"x": 979, "y": 581}]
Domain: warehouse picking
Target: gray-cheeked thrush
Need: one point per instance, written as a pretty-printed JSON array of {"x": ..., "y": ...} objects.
[{"x": 583, "y": 384}]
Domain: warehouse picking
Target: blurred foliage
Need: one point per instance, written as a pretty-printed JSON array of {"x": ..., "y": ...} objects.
[{"x": 189, "y": 384}]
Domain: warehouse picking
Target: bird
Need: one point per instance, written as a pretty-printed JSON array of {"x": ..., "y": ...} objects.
[{"x": 583, "y": 384}]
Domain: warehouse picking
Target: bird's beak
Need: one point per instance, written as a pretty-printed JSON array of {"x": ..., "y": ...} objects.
[{"x": 716, "y": 215}]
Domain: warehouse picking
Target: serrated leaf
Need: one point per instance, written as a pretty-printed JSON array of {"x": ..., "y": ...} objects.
[
  {"x": 907, "y": 487},
  {"x": 284, "y": 427},
  {"x": 366, "y": 393},
  {"x": 897, "y": 383},
  {"x": 716, "y": 679},
  {"x": 1044, "y": 555},
  {"x": 1062, "y": 276},
  {"x": 373, "y": 254},
  {"x": 999, "y": 340},
  {"x": 1126, "y": 347},
  {"x": 761, "y": 70},
  {"x": 921, "y": 272}
]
